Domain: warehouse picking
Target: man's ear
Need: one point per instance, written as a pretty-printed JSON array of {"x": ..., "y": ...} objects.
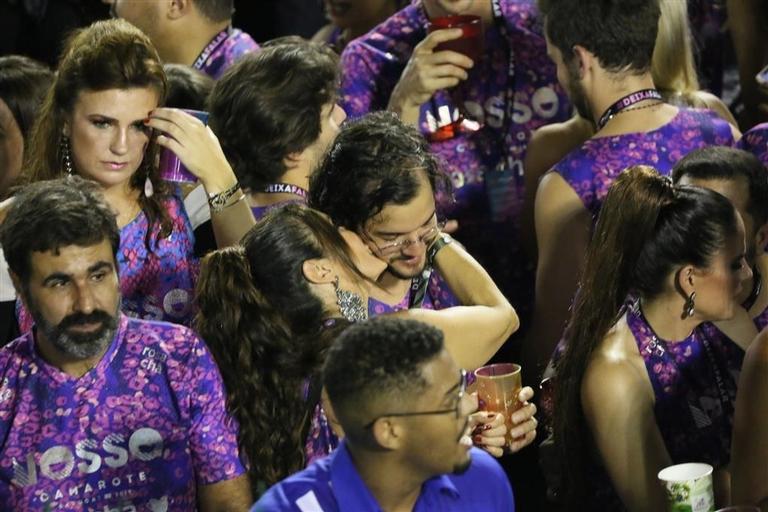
[
  {"x": 16, "y": 280},
  {"x": 582, "y": 60},
  {"x": 761, "y": 238},
  {"x": 388, "y": 434},
  {"x": 292, "y": 160},
  {"x": 318, "y": 271},
  {"x": 176, "y": 9}
]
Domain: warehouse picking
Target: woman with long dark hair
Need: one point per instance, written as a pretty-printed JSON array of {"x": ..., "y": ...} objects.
[
  {"x": 639, "y": 387},
  {"x": 101, "y": 120},
  {"x": 270, "y": 309}
]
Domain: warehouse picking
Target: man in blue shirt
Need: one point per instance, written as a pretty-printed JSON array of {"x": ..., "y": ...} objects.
[{"x": 400, "y": 399}]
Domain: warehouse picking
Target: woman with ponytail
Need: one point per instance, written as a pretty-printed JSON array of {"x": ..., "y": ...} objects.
[
  {"x": 270, "y": 309},
  {"x": 639, "y": 387}
]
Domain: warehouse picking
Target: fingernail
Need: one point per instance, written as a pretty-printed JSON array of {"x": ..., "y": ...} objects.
[
  {"x": 478, "y": 439},
  {"x": 146, "y": 121}
]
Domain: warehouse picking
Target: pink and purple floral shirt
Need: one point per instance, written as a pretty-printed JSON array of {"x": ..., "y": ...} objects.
[
  {"x": 223, "y": 50},
  {"x": 591, "y": 169},
  {"x": 142, "y": 430}
]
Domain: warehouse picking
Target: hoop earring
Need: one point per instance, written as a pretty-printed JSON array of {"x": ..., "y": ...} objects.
[
  {"x": 350, "y": 303},
  {"x": 66, "y": 155},
  {"x": 690, "y": 305}
]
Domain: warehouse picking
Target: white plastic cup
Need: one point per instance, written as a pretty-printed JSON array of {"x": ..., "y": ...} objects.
[{"x": 688, "y": 487}]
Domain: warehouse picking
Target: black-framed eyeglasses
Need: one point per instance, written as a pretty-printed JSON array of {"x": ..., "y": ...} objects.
[
  {"x": 456, "y": 410},
  {"x": 425, "y": 236}
]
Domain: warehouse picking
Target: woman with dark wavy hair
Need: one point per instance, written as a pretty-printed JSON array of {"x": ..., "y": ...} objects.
[
  {"x": 639, "y": 386},
  {"x": 98, "y": 121},
  {"x": 270, "y": 309}
]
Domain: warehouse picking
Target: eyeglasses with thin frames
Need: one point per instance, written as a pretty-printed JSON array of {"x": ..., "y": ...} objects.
[
  {"x": 424, "y": 237},
  {"x": 456, "y": 410}
]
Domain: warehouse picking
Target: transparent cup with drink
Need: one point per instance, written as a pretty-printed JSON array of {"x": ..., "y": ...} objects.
[
  {"x": 498, "y": 389},
  {"x": 453, "y": 119}
]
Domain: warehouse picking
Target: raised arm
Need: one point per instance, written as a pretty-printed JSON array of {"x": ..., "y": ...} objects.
[
  {"x": 427, "y": 72},
  {"x": 475, "y": 331},
  {"x": 749, "y": 468},
  {"x": 199, "y": 150},
  {"x": 562, "y": 235}
]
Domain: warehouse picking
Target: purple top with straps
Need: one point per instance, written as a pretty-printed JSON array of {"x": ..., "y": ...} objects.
[
  {"x": 591, "y": 169},
  {"x": 223, "y": 51},
  {"x": 142, "y": 430},
  {"x": 756, "y": 142},
  {"x": 260, "y": 211},
  {"x": 694, "y": 383},
  {"x": 488, "y": 202}
]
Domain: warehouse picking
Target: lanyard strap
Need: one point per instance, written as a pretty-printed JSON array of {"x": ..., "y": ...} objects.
[
  {"x": 211, "y": 47},
  {"x": 285, "y": 188},
  {"x": 507, "y": 139},
  {"x": 419, "y": 285},
  {"x": 725, "y": 400},
  {"x": 626, "y": 102}
]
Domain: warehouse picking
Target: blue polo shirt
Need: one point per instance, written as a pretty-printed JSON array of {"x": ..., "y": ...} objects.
[{"x": 332, "y": 484}]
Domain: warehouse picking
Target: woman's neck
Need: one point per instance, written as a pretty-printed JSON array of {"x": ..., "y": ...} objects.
[
  {"x": 665, "y": 316},
  {"x": 124, "y": 201}
]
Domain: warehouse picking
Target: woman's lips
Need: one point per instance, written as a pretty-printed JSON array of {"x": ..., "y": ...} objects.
[{"x": 116, "y": 166}]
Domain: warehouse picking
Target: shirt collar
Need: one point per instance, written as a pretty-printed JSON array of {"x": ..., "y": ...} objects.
[{"x": 352, "y": 494}]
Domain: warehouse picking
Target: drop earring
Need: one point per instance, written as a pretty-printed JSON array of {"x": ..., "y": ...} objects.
[
  {"x": 66, "y": 155},
  {"x": 149, "y": 189},
  {"x": 690, "y": 305},
  {"x": 350, "y": 303}
]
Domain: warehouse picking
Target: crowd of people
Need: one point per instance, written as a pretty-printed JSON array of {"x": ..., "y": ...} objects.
[{"x": 371, "y": 216}]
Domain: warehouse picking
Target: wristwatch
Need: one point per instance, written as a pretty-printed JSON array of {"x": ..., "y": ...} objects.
[
  {"x": 218, "y": 202},
  {"x": 441, "y": 241}
]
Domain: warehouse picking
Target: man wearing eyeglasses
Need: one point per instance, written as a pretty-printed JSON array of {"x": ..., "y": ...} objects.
[
  {"x": 400, "y": 399},
  {"x": 379, "y": 179}
]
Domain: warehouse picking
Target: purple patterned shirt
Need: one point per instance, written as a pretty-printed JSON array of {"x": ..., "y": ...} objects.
[
  {"x": 591, "y": 169},
  {"x": 140, "y": 431},
  {"x": 260, "y": 211},
  {"x": 438, "y": 296},
  {"x": 756, "y": 142},
  {"x": 488, "y": 201},
  {"x": 223, "y": 50}
]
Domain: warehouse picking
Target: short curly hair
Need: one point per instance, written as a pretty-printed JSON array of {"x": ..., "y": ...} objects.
[
  {"x": 376, "y": 359},
  {"x": 375, "y": 161},
  {"x": 268, "y": 105}
]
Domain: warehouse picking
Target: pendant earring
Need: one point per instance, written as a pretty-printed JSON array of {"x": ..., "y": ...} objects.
[
  {"x": 690, "y": 305},
  {"x": 66, "y": 155},
  {"x": 350, "y": 303},
  {"x": 149, "y": 190}
]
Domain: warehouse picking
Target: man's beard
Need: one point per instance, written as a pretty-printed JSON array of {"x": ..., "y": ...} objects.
[
  {"x": 576, "y": 93},
  {"x": 80, "y": 345},
  {"x": 392, "y": 270}
]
